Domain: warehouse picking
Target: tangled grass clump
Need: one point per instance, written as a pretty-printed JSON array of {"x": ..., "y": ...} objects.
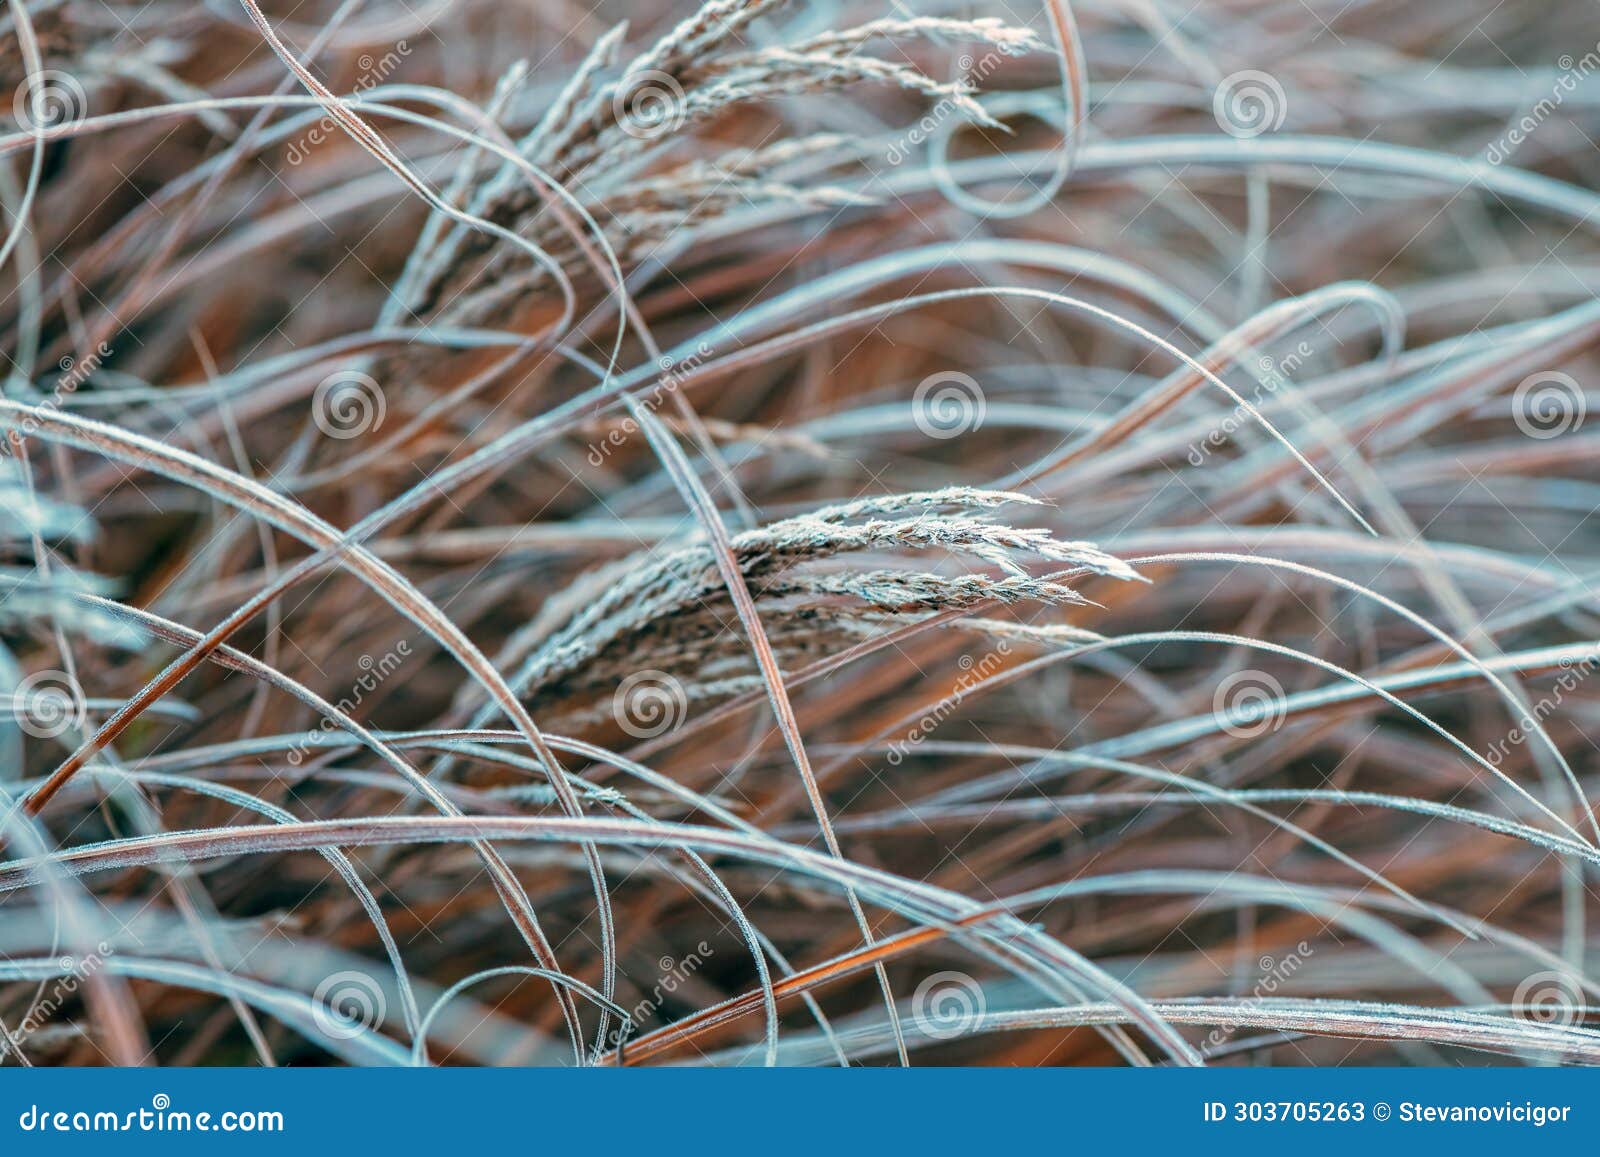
[{"x": 760, "y": 533}]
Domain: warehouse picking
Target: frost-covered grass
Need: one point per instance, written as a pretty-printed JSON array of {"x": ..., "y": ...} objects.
[{"x": 808, "y": 534}]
